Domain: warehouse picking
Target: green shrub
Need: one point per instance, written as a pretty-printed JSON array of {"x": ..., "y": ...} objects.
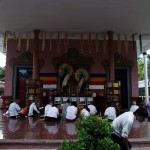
[{"x": 93, "y": 134}]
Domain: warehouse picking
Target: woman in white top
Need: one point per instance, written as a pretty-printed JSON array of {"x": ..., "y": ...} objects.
[
  {"x": 71, "y": 112},
  {"x": 52, "y": 114},
  {"x": 110, "y": 112},
  {"x": 85, "y": 112}
]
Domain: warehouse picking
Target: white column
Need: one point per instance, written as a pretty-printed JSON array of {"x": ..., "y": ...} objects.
[{"x": 146, "y": 78}]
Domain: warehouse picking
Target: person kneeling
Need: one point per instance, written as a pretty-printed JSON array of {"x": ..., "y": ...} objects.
[
  {"x": 71, "y": 112},
  {"x": 33, "y": 109},
  {"x": 110, "y": 112},
  {"x": 14, "y": 110},
  {"x": 85, "y": 112},
  {"x": 52, "y": 114}
]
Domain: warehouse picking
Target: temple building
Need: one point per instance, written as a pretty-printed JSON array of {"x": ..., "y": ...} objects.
[{"x": 83, "y": 63}]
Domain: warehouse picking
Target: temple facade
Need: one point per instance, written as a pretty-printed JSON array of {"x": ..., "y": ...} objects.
[{"x": 103, "y": 59}]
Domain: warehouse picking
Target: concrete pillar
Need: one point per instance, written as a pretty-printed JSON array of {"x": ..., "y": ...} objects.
[
  {"x": 146, "y": 78},
  {"x": 111, "y": 55},
  {"x": 35, "y": 55}
]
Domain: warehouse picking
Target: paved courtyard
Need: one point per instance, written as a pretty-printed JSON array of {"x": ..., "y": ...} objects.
[{"x": 33, "y": 128}]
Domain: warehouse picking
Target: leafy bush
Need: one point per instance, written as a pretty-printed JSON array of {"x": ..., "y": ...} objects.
[{"x": 93, "y": 134}]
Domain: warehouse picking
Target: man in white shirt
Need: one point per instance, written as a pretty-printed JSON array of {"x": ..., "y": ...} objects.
[
  {"x": 122, "y": 126},
  {"x": 33, "y": 110},
  {"x": 93, "y": 109},
  {"x": 14, "y": 109},
  {"x": 52, "y": 114},
  {"x": 71, "y": 112},
  {"x": 47, "y": 107},
  {"x": 110, "y": 112},
  {"x": 64, "y": 107},
  {"x": 134, "y": 107}
]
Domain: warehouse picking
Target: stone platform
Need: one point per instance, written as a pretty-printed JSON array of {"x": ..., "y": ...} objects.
[{"x": 30, "y": 133}]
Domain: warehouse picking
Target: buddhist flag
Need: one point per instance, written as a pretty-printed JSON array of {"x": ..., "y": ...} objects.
[
  {"x": 28, "y": 40},
  {"x": 96, "y": 43},
  {"x": 119, "y": 43},
  {"x": 19, "y": 41},
  {"x": 133, "y": 40},
  {"x": 140, "y": 42},
  {"x": 90, "y": 43},
  {"x": 43, "y": 41},
  {"x": 126, "y": 43},
  {"x": 50, "y": 41},
  {"x": 5, "y": 43},
  {"x": 104, "y": 42},
  {"x": 58, "y": 42},
  {"x": 81, "y": 42},
  {"x": 16, "y": 40},
  {"x": 66, "y": 42}
]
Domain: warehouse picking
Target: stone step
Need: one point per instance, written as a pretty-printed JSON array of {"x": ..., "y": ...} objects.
[
  {"x": 27, "y": 149},
  {"x": 140, "y": 142},
  {"x": 55, "y": 144},
  {"x": 30, "y": 144}
]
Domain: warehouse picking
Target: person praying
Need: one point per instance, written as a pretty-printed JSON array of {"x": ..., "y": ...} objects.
[
  {"x": 47, "y": 107},
  {"x": 64, "y": 107},
  {"x": 52, "y": 114},
  {"x": 33, "y": 109},
  {"x": 85, "y": 112},
  {"x": 92, "y": 108},
  {"x": 110, "y": 112},
  {"x": 14, "y": 110},
  {"x": 71, "y": 112}
]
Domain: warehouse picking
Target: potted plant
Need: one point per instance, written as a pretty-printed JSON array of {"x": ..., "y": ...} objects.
[{"x": 93, "y": 134}]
